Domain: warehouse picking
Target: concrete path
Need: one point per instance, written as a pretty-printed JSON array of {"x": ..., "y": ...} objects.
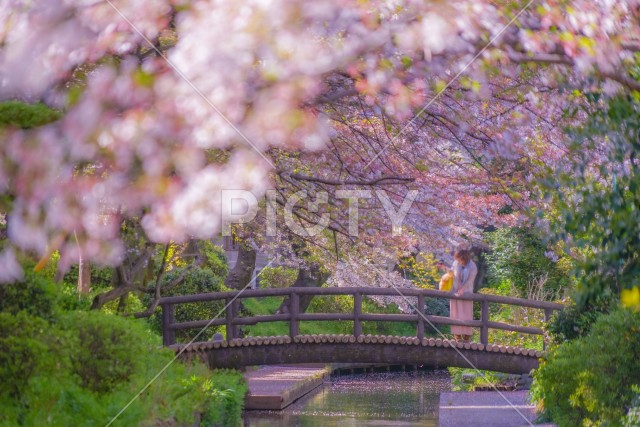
[
  {"x": 486, "y": 408},
  {"x": 276, "y": 387}
]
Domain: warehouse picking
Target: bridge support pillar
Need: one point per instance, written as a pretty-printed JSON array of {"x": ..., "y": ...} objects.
[
  {"x": 420, "y": 327},
  {"x": 168, "y": 334},
  {"x": 484, "y": 330},
  {"x": 357, "y": 311},
  {"x": 294, "y": 310},
  {"x": 231, "y": 312}
]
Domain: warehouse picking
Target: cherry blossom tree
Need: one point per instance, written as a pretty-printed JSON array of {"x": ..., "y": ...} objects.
[{"x": 167, "y": 102}]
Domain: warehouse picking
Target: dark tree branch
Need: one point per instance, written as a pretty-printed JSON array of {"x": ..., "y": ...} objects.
[
  {"x": 545, "y": 58},
  {"x": 149, "y": 311},
  {"x": 371, "y": 182}
]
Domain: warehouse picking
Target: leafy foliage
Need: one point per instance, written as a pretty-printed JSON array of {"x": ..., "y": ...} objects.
[
  {"x": 196, "y": 280},
  {"x": 574, "y": 321},
  {"x": 215, "y": 258},
  {"x": 519, "y": 257},
  {"x": 342, "y": 90},
  {"x": 106, "y": 349},
  {"x": 34, "y": 295},
  {"x": 26, "y": 116},
  {"x": 598, "y": 199},
  {"x": 37, "y": 295},
  {"x": 422, "y": 269},
  {"x": 20, "y": 350},
  {"x": 463, "y": 379},
  {"x": 277, "y": 277},
  {"x": 590, "y": 381},
  {"x": 101, "y": 277},
  {"x": 81, "y": 368},
  {"x": 513, "y": 315}
]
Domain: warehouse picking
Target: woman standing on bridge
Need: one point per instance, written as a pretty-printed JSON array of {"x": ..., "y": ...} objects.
[{"x": 464, "y": 275}]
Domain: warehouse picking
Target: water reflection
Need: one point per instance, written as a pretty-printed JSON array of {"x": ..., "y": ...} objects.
[{"x": 380, "y": 399}]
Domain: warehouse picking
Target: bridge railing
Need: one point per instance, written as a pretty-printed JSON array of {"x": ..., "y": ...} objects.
[{"x": 232, "y": 321}]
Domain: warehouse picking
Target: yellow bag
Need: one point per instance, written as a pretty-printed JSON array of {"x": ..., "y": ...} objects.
[{"x": 446, "y": 282}]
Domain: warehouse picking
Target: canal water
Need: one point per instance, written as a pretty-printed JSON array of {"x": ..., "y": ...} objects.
[{"x": 374, "y": 399}]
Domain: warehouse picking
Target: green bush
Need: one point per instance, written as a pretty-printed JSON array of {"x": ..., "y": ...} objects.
[
  {"x": 21, "y": 346},
  {"x": 331, "y": 304},
  {"x": 196, "y": 280},
  {"x": 81, "y": 368},
  {"x": 518, "y": 257},
  {"x": 57, "y": 374},
  {"x": 107, "y": 348},
  {"x": 215, "y": 258},
  {"x": 575, "y": 321},
  {"x": 226, "y": 392},
  {"x": 39, "y": 296},
  {"x": 35, "y": 294},
  {"x": 277, "y": 277},
  {"x": 590, "y": 381}
]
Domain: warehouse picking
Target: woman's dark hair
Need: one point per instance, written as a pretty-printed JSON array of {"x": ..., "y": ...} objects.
[{"x": 463, "y": 255}]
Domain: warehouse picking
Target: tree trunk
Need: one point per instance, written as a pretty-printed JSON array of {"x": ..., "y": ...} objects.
[
  {"x": 307, "y": 278},
  {"x": 84, "y": 277},
  {"x": 242, "y": 272},
  {"x": 118, "y": 288},
  {"x": 481, "y": 263},
  {"x": 195, "y": 251}
]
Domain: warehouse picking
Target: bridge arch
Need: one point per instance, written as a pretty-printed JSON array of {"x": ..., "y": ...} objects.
[{"x": 430, "y": 353}]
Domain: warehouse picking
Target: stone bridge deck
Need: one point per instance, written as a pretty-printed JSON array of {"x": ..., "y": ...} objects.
[{"x": 429, "y": 352}]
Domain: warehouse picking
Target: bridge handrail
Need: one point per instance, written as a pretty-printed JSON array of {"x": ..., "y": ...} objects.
[
  {"x": 294, "y": 317},
  {"x": 408, "y": 292}
]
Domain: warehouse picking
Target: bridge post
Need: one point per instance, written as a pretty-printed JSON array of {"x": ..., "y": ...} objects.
[
  {"x": 484, "y": 330},
  {"x": 294, "y": 310},
  {"x": 357, "y": 311},
  {"x": 231, "y": 311},
  {"x": 548, "y": 312},
  {"x": 420, "y": 327},
  {"x": 168, "y": 335}
]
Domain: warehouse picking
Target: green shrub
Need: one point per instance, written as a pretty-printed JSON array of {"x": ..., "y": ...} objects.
[
  {"x": 277, "y": 277},
  {"x": 574, "y": 321},
  {"x": 108, "y": 348},
  {"x": 81, "y": 368},
  {"x": 331, "y": 304},
  {"x": 518, "y": 256},
  {"x": 85, "y": 368},
  {"x": 39, "y": 296},
  {"x": 196, "y": 280},
  {"x": 21, "y": 346},
  {"x": 223, "y": 392},
  {"x": 35, "y": 294},
  {"x": 436, "y": 307},
  {"x": 590, "y": 381},
  {"x": 215, "y": 258}
]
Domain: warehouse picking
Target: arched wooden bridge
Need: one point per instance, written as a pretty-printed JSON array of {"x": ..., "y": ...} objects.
[{"x": 436, "y": 352}]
